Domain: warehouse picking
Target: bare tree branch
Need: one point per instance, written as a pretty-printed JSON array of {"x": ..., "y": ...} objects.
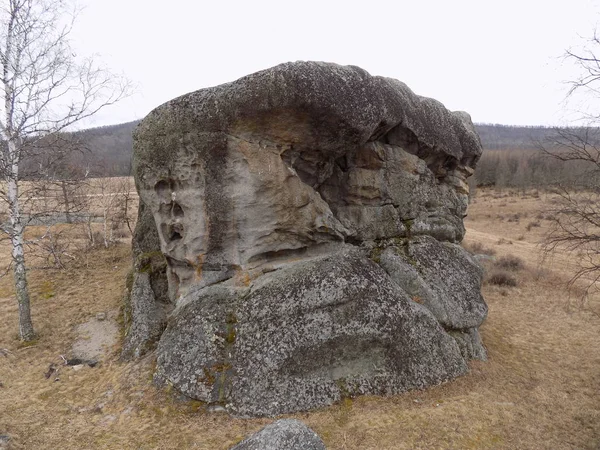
[{"x": 45, "y": 90}]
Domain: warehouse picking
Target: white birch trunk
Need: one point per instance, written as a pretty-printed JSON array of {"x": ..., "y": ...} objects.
[
  {"x": 105, "y": 228},
  {"x": 26, "y": 332},
  {"x": 45, "y": 89}
]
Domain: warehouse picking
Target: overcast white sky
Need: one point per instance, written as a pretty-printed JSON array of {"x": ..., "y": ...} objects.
[{"x": 500, "y": 61}]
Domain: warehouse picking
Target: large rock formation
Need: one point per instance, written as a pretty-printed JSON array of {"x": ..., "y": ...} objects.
[{"x": 309, "y": 216}]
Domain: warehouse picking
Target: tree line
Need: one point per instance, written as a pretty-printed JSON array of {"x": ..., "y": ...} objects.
[
  {"x": 511, "y": 158},
  {"x": 107, "y": 150}
]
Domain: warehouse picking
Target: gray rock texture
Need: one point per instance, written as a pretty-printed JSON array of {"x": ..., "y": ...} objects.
[
  {"x": 147, "y": 318},
  {"x": 307, "y": 217},
  {"x": 5, "y": 441},
  {"x": 454, "y": 277},
  {"x": 470, "y": 344},
  {"x": 303, "y": 337},
  {"x": 288, "y": 434},
  {"x": 147, "y": 300},
  {"x": 444, "y": 278}
]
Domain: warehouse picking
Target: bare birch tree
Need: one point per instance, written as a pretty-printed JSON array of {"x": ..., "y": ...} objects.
[
  {"x": 45, "y": 90},
  {"x": 575, "y": 216}
]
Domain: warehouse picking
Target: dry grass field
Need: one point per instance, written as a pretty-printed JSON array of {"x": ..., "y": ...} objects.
[
  {"x": 540, "y": 388},
  {"x": 48, "y": 195}
]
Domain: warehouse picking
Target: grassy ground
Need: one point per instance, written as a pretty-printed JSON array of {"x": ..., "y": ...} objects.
[{"x": 540, "y": 388}]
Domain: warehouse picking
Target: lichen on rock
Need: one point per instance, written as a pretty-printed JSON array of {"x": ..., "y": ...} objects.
[
  {"x": 289, "y": 434},
  {"x": 266, "y": 197}
]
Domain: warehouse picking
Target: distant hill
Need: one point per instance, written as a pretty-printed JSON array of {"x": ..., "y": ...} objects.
[
  {"x": 510, "y": 137},
  {"x": 109, "y": 148}
]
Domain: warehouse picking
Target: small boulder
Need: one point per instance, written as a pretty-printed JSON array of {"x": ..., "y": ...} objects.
[
  {"x": 289, "y": 434},
  {"x": 5, "y": 441}
]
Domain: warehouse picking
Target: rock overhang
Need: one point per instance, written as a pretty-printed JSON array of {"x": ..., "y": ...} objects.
[{"x": 339, "y": 106}]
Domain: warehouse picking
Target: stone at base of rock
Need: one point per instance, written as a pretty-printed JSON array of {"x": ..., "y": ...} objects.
[
  {"x": 288, "y": 434},
  {"x": 440, "y": 275},
  {"x": 5, "y": 441}
]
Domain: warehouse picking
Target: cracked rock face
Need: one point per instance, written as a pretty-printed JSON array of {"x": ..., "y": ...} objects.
[{"x": 308, "y": 216}]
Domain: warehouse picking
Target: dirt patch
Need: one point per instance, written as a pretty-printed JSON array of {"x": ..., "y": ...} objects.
[{"x": 96, "y": 337}]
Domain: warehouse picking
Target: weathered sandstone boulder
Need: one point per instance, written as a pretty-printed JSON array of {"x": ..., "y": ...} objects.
[{"x": 307, "y": 219}]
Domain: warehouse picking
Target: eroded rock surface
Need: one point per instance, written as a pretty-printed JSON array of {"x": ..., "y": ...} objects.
[
  {"x": 309, "y": 216},
  {"x": 304, "y": 336}
]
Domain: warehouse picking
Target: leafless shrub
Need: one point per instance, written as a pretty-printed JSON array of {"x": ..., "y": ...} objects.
[
  {"x": 575, "y": 228},
  {"x": 113, "y": 203},
  {"x": 502, "y": 278},
  {"x": 120, "y": 232},
  {"x": 477, "y": 248},
  {"x": 96, "y": 237},
  {"x": 510, "y": 262},
  {"x": 52, "y": 249},
  {"x": 540, "y": 273}
]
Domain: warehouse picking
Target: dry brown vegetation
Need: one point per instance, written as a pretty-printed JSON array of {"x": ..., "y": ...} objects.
[
  {"x": 529, "y": 170},
  {"x": 46, "y": 195},
  {"x": 540, "y": 388},
  {"x": 103, "y": 210}
]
